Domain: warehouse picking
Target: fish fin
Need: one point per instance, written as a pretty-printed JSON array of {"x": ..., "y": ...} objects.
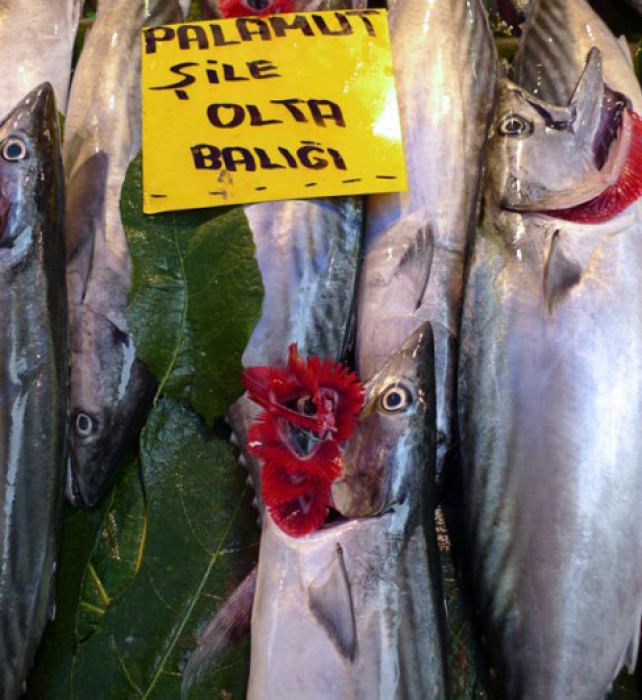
[
  {"x": 624, "y": 45},
  {"x": 228, "y": 627},
  {"x": 416, "y": 260},
  {"x": 85, "y": 200},
  {"x": 588, "y": 97},
  {"x": 560, "y": 273},
  {"x": 51, "y": 603},
  {"x": 631, "y": 655},
  {"x": 330, "y": 601}
]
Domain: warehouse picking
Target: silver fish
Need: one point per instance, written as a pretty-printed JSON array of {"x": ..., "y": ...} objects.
[
  {"x": 550, "y": 403},
  {"x": 352, "y": 611},
  {"x": 110, "y": 387},
  {"x": 308, "y": 253},
  {"x": 415, "y": 245},
  {"x": 34, "y": 377},
  {"x": 37, "y": 38}
]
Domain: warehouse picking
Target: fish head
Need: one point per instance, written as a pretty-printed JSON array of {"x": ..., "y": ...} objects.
[
  {"x": 545, "y": 156},
  {"x": 389, "y": 459},
  {"x": 30, "y": 169},
  {"x": 111, "y": 394}
]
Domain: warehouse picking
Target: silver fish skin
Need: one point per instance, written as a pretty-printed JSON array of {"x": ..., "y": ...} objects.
[
  {"x": 558, "y": 36},
  {"x": 351, "y": 611},
  {"x": 34, "y": 377},
  {"x": 37, "y": 38},
  {"x": 550, "y": 387},
  {"x": 415, "y": 245},
  {"x": 110, "y": 387}
]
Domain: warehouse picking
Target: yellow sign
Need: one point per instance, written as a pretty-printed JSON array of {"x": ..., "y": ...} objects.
[{"x": 262, "y": 108}]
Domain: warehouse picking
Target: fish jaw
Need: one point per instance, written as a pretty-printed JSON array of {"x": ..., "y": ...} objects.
[
  {"x": 112, "y": 390},
  {"x": 391, "y": 455}
]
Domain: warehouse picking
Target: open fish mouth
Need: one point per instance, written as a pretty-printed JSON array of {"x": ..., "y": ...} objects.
[
  {"x": 609, "y": 131},
  {"x": 617, "y": 150}
]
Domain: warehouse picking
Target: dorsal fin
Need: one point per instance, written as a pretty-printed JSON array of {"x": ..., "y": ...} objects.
[
  {"x": 330, "y": 601},
  {"x": 230, "y": 624},
  {"x": 560, "y": 273}
]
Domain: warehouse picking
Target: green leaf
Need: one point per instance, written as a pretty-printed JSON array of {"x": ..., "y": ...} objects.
[
  {"x": 196, "y": 297},
  {"x": 117, "y": 552},
  {"x": 194, "y": 555}
]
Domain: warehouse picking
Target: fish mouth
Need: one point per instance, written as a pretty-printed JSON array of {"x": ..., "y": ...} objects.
[
  {"x": 618, "y": 155},
  {"x": 609, "y": 130}
]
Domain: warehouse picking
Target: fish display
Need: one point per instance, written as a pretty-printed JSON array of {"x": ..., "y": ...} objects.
[
  {"x": 33, "y": 377},
  {"x": 354, "y": 610},
  {"x": 550, "y": 371},
  {"x": 415, "y": 245},
  {"x": 38, "y": 41},
  {"x": 110, "y": 387}
]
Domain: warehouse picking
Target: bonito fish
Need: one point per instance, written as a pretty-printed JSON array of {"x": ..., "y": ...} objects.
[
  {"x": 37, "y": 38},
  {"x": 110, "y": 386},
  {"x": 308, "y": 253},
  {"x": 352, "y": 611},
  {"x": 550, "y": 391},
  {"x": 33, "y": 377},
  {"x": 415, "y": 246}
]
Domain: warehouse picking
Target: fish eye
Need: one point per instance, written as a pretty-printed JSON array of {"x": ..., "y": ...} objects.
[
  {"x": 396, "y": 398},
  {"x": 258, "y": 4},
  {"x": 515, "y": 125},
  {"x": 14, "y": 149},
  {"x": 85, "y": 424}
]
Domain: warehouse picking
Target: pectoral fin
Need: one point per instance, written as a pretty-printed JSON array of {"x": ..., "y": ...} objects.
[
  {"x": 416, "y": 260},
  {"x": 561, "y": 273},
  {"x": 330, "y": 601}
]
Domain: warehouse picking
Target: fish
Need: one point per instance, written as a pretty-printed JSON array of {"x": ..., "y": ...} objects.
[
  {"x": 416, "y": 242},
  {"x": 308, "y": 252},
  {"x": 355, "y": 609},
  {"x": 111, "y": 388},
  {"x": 38, "y": 40},
  {"x": 34, "y": 377},
  {"x": 549, "y": 397}
]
